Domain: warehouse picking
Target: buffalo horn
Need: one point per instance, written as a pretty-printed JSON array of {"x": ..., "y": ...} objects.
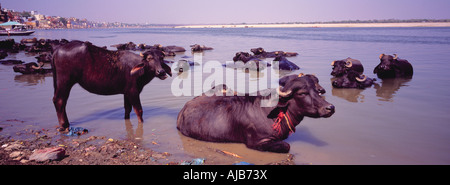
[
  {"x": 348, "y": 63},
  {"x": 283, "y": 94},
  {"x": 39, "y": 66},
  {"x": 395, "y": 57},
  {"x": 332, "y": 63},
  {"x": 300, "y": 75},
  {"x": 361, "y": 80},
  {"x": 381, "y": 55},
  {"x": 34, "y": 67}
]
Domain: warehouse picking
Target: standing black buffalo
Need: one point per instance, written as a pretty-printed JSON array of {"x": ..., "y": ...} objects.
[
  {"x": 242, "y": 119},
  {"x": 341, "y": 67},
  {"x": 393, "y": 67},
  {"x": 104, "y": 72}
]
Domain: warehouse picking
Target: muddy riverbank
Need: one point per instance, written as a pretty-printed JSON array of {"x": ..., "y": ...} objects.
[{"x": 85, "y": 149}]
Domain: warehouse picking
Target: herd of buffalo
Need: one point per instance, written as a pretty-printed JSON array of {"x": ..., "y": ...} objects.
[{"x": 213, "y": 118}]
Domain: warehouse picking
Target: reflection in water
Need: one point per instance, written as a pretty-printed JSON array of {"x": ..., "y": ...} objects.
[
  {"x": 389, "y": 87},
  {"x": 350, "y": 94},
  {"x": 255, "y": 74},
  {"x": 31, "y": 79},
  {"x": 134, "y": 136},
  {"x": 305, "y": 135},
  {"x": 214, "y": 152},
  {"x": 385, "y": 91}
]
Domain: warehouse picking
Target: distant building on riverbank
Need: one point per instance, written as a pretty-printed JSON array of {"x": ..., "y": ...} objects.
[{"x": 40, "y": 21}]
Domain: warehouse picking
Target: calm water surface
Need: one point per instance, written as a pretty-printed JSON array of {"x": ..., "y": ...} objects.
[{"x": 394, "y": 122}]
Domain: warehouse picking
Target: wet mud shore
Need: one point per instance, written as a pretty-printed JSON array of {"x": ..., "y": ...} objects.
[{"x": 87, "y": 149}]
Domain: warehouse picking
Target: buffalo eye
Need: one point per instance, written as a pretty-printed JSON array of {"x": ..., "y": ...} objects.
[{"x": 302, "y": 93}]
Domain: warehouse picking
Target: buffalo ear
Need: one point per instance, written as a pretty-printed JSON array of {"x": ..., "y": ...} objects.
[
  {"x": 143, "y": 55},
  {"x": 146, "y": 56},
  {"x": 376, "y": 69},
  {"x": 282, "y": 81},
  {"x": 282, "y": 105},
  {"x": 274, "y": 113},
  {"x": 138, "y": 69},
  {"x": 166, "y": 68},
  {"x": 283, "y": 102}
]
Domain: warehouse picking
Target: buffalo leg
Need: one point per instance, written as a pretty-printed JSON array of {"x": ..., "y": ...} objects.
[
  {"x": 136, "y": 103},
  {"x": 272, "y": 146},
  {"x": 60, "y": 101},
  {"x": 127, "y": 106}
]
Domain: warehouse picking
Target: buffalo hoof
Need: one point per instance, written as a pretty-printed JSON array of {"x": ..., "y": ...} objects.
[
  {"x": 280, "y": 147},
  {"x": 62, "y": 129},
  {"x": 277, "y": 147}
]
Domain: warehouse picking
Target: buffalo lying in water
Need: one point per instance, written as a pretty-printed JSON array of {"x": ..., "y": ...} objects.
[
  {"x": 353, "y": 80},
  {"x": 167, "y": 50},
  {"x": 126, "y": 46},
  {"x": 242, "y": 119},
  {"x": 342, "y": 67},
  {"x": 31, "y": 68},
  {"x": 104, "y": 72},
  {"x": 248, "y": 61},
  {"x": 261, "y": 53},
  {"x": 285, "y": 64},
  {"x": 243, "y": 56},
  {"x": 200, "y": 48},
  {"x": 393, "y": 67},
  {"x": 31, "y": 45},
  {"x": 11, "y": 61},
  {"x": 3, "y": 54}
]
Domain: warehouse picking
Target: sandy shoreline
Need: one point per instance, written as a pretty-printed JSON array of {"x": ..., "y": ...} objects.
[{"x": 331, "y": 25}]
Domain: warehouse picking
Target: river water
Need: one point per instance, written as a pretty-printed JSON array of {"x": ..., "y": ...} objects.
[{"x": 395, "y": 122}]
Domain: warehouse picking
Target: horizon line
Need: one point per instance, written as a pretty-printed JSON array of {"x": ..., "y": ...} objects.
[{"x": 309, "y": 22}]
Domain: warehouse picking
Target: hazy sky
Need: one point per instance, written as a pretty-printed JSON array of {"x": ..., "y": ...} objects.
[{"x": 234, "y": 11}]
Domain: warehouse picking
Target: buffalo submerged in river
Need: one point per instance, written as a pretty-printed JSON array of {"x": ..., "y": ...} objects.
[
  {"x": 241, "y": 119},
  {"x": 393, "y": 67},
  {"x": 342, "y": 67},
  {"x": 353, "y": 80},
  {"x": 104, "y": 72},
  {"x": 31, "y": 68}
]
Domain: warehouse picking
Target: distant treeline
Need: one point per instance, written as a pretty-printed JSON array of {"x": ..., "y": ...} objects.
[
  {"x": 372, "y": 21},
  {"x": 316, "y": 22}
]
